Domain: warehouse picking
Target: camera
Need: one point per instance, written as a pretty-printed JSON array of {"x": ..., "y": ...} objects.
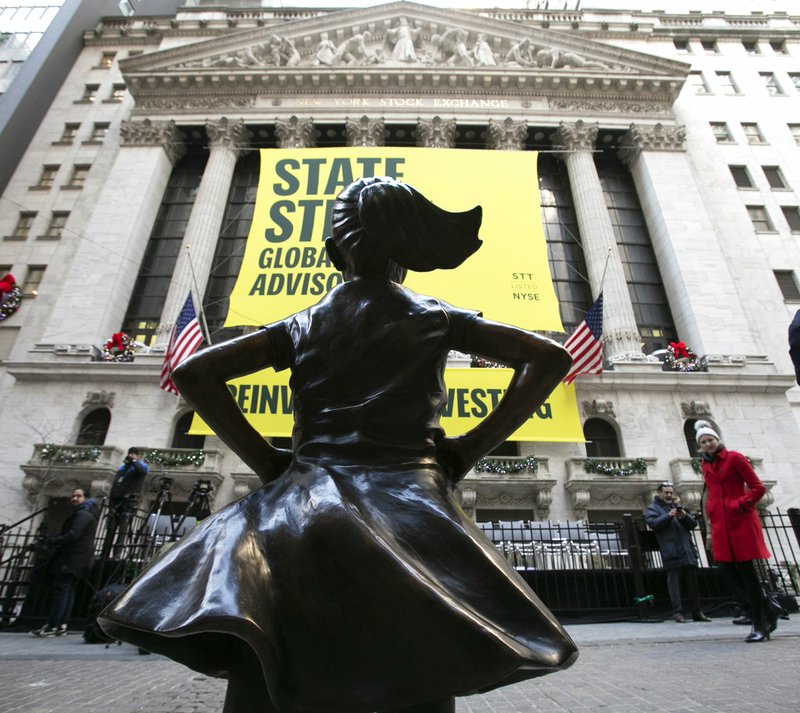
[
  {"x": 203, "y": 487},
  {"x": 679, "y": 508}
]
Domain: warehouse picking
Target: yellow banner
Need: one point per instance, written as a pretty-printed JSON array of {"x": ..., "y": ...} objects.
[
  {"x": 285, "y": 268},
  {"x": 266, "y": 400}
]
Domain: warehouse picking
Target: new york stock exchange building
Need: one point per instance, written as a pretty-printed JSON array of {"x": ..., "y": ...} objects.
[{"x": 668, "y": 170}]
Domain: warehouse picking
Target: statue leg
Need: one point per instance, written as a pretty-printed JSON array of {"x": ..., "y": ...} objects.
[
  {"x": 247, "y": 691},
  {"x": 443, "y": 705}
]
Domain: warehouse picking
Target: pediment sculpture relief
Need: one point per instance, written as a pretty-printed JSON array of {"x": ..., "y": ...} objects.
[{"x": 403, "y": 42}]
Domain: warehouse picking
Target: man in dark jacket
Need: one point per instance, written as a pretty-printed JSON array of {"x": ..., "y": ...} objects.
[
  {"x": 74, "y": 549},
  {"x": 122, "y": 501},
  {"x": 672, "y": 525}
]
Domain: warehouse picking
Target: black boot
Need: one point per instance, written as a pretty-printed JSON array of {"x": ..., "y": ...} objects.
[
  {"x": 773, "y": 611},
  {"x": 759, "y": 633}
]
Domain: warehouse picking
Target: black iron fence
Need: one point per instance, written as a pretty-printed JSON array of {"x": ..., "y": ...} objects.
[{"x": 588, "y": 571}]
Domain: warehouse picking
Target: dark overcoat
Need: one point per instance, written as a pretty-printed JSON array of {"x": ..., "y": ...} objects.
[{"x": 75, "y": 544}]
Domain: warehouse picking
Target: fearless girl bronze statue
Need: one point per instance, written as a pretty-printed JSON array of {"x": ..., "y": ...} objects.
[{"x": 352, "y": 581}]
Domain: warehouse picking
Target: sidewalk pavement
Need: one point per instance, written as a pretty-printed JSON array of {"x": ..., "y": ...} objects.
[{"x": 622, "y": 668}]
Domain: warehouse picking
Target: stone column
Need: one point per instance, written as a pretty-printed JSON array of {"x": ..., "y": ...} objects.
[
  {"x": 678, "y": 223},
  {"x": 365, "y": 132},
  {"x": 620, "y": 334},
  {"x": 92, "y": 300},
  {"x": 295, "y": 133},
  {"x": 437, "y": 133},
  {"x": 226, "y": 139},
  {"x": 506, "y": 135}
]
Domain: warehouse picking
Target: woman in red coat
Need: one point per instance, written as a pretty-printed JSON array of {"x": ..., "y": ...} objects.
[{"x": 737, "y": 538}]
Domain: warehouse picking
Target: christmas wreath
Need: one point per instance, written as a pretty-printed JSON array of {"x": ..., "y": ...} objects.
[
  {"x": 679, "y": 357},
  {"x": 119, "y": 348},
  {"x": 10, "y": 296}
]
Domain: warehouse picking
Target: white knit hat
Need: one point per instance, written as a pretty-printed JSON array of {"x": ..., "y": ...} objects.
[{"x": 704, "y": 428}]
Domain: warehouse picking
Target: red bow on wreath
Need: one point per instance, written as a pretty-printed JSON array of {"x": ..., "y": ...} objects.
[
  {"x": 116, "y": 342},
  {"x": 7, "y": 283},
  {"x": 679, "y": 350}
]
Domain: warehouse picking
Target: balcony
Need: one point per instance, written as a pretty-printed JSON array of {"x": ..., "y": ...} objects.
[
  {"x": 687, "y": 478},
  {"x": 511, "y": 482},
  {"x": 184, "y": 466},
  {"x": 55, "y": 470},
  {"x": 611, "y": 483}
]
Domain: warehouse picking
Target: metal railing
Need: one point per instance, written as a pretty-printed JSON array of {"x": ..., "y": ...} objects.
[{"x": 594, "y": 570}]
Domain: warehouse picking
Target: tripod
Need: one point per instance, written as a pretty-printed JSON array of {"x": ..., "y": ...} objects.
[
  {"x": 199, "y": 505},
  {"x": 149, "y": 529}
]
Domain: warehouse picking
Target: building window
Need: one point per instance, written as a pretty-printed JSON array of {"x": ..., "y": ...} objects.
[
  {"x": 94, "y": 428},
  {"x": 795, "y": 79},
  {"x": 56, "y": 227},
  {"x": 710, "y": 46},
  {"x": 645, "y": 286},
  {"x": 69, "y": 133},
  {"x": 230, "y": 246},
  {"x": 741, "y": 176},
  {"x": 89, "y": 93},
  {"x": 99, "y": 131},
  {"x": 771, "y": 83},
  {"x": 778, "y": 46},
  {"x": 117, "y": 93},
  {"x": 792, "y": 215},
  {"x": 698, "y": 82},
  {"x": 601, "y": 439},
  {"x": 751, "y": 47},
  {"x": 682, "y": 46},
  {"x": 774, "y": 177},
  {"x": 47, "y": 178},
  {"x": 721, "y": 132},
  {"x": 155, "y": 272},
  {"x": 726, "y": 83},
  {"x": 794, "y": 130},
  {"x": 564, "y": 252},
  {"x": 753, "y": 133},
  {"x": 788, "y": 285},
  {"x": 181, "y": 437},
  {"x": 23, "y": 227},
  {"x": 78, "y": 177},
  {"x": 106, "y": 60},
  {"x": 33, "y": 278},
  {"x": 760, "y": 219}
]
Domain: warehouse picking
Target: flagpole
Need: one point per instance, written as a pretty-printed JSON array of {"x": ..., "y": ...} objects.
[
  {"x": 605, "y": 269},
  {"x": 200, "y": 309}
]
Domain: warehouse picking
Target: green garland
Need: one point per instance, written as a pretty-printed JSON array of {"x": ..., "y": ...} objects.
[
  {"x": 171, "y": 459},
  {"x": 10, "y": 303},
  {"x": 66, "y": 454},
  {"x": 504, "y": 467},
  {"x": 636, "y": 466}
]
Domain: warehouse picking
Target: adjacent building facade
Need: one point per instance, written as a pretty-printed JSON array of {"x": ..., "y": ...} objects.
[{"x": 668, "y": 170}]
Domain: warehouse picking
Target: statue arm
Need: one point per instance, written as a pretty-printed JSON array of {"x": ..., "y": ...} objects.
[
  {"x": 202, "y": 380},
  {"x": 539, "y": 365}
]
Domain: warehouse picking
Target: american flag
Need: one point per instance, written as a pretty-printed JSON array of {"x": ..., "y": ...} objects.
[
  {"x": 186, "y": 337},
  {"x": 585, "y": 344}
]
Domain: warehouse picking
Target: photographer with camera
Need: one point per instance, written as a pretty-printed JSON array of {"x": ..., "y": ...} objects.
[
  {"x": 122, "y": 501},
  {"x": 672, "y": 525}
]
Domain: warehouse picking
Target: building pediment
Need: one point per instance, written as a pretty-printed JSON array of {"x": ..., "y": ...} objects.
[{"x": 402, "y": 47}]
